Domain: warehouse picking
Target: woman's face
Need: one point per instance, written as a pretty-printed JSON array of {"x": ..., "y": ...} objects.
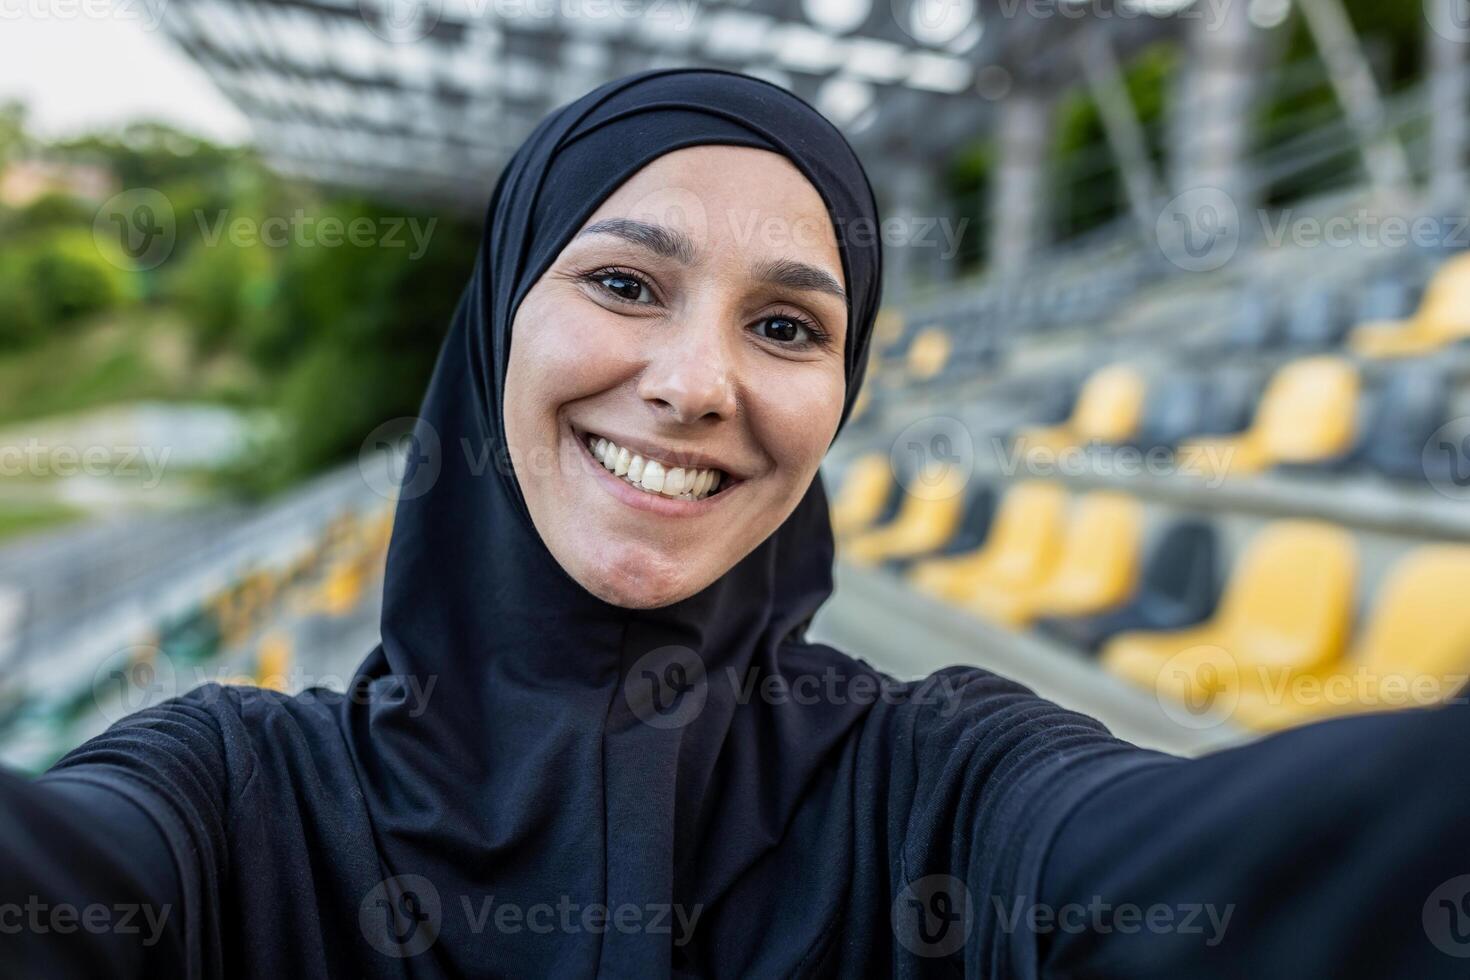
[{"x": 677, "y": 374}]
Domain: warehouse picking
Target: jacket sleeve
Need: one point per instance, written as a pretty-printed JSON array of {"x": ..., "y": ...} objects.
[
  {"x": 1337, "y": 850},
  {"x": 111, "y": 861}
]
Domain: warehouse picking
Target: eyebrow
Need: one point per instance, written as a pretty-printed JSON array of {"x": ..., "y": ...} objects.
[{"x": 671, "y": 243}]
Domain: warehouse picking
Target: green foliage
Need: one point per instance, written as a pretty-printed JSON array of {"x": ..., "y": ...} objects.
[{"x": 54, "y": 279}]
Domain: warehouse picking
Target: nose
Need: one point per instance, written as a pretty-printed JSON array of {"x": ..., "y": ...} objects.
[{"x": 688, "y": 376}]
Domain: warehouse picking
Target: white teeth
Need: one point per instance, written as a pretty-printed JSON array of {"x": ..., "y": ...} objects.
[{"x": 651, "y": 475}]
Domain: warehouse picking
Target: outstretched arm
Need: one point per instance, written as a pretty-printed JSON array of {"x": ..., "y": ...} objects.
[
  {"x": 1338, "y": 850},
  {"x": 88, "y": 886}
]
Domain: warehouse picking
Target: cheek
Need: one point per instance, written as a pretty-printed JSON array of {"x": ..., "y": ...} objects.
[
  {"x": 559, "y": 357},
  {"x": 795, "y": 416}
]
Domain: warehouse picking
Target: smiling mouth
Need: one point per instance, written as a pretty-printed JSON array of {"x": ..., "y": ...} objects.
[{"x": 651, "y": 476}]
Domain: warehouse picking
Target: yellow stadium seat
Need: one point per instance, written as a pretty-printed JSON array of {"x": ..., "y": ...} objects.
[
  {"x": 1019, "y": 549},
  {"x": 926, "y": 521},
  {"x": 273, "y": 661},
  {"x": 1308, "y": 414},
  {"x": 1442, "y": 318},
  {"x": 1096, "y": 568},
  {"x": 1108, "y": 410},
  {"x": 1414, "y": 650},
  {"x": 887, "y": 327},
  {"x": 928, "y": 354},
  {"x": 1288, "y": 608},
  {"x": 865, "y": 490}
]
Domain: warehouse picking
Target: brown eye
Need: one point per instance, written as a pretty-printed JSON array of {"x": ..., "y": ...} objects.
[
  {"x": 783, "y": 330},
  {"x": 625, "y": 287}
]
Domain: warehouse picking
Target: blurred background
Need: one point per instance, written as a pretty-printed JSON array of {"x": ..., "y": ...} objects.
[{"x": 1167, "y": 415}]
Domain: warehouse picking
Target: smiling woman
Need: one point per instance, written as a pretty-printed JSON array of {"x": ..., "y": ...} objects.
[{"x": 595, "y": 740}]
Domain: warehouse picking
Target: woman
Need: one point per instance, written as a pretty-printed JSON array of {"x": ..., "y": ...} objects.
[{"x": 594, "y": 739}]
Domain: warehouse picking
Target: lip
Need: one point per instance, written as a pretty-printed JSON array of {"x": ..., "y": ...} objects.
[
  {"x": 667, "y": 459},
  {"x": 653, "y": 503}
]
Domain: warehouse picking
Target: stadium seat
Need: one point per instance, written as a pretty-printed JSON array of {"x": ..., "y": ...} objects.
[
  {"x": 1308, "y": 414},
  {"x": 1413, "y": 403},
  {"x": 1288, "y": 608},
  {"x": 1022, "y": 544},
  {"x": 1178, "y": 588},
  {"x": 1443, "y": 318},
  {"x": 867, "y": 488},
  {"x": 979, "y": 511},
  {"x": 1177, "y": 406},
  {"x": 923, "y": 524},
  {"x": 1414, "y": 650},
  {"x": 273, "y": 661},
  {"x": 1316, "y": 320},
  {"x": 1095, "y": 569},
  {"x": 928, "y": 353},
  {"x": 1108, "y": 410},
  {"x": 1256, "y": 325}
]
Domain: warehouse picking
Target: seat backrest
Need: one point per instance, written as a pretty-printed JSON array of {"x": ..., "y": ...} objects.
[
  {"x": 866, "y": 489},
  {"x": 1100, "y": 550},
  {"x": 1420, "y": 621},
  {"x": 1256, "y": 324},
  {"x": 1290, "y": 598},
  {"x": 1175, "y": 409},
  {"x": 1446, "y": 307},
  {"x": 928, "y": 353},
  {"x": 1412, "y": 403},
  {"x": 1110, "y": 404},
  {"x": 1316, "y": 319},
  {"x": 1183, "y": 569},
  {"x": 1309, "y": 411},
  {"x": 976, "y": 522},
  {"x": 1028, "y": 527},
  {"x": 930, "y": 514}
]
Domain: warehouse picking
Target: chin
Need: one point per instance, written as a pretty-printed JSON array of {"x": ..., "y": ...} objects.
[{"x": 635, "y": 577}]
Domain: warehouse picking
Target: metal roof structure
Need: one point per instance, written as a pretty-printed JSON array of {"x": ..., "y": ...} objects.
[{"x": 427, "y": 98}]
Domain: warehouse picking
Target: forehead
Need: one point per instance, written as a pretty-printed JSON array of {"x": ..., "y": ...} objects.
[{"x": 731, "y": 199}]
